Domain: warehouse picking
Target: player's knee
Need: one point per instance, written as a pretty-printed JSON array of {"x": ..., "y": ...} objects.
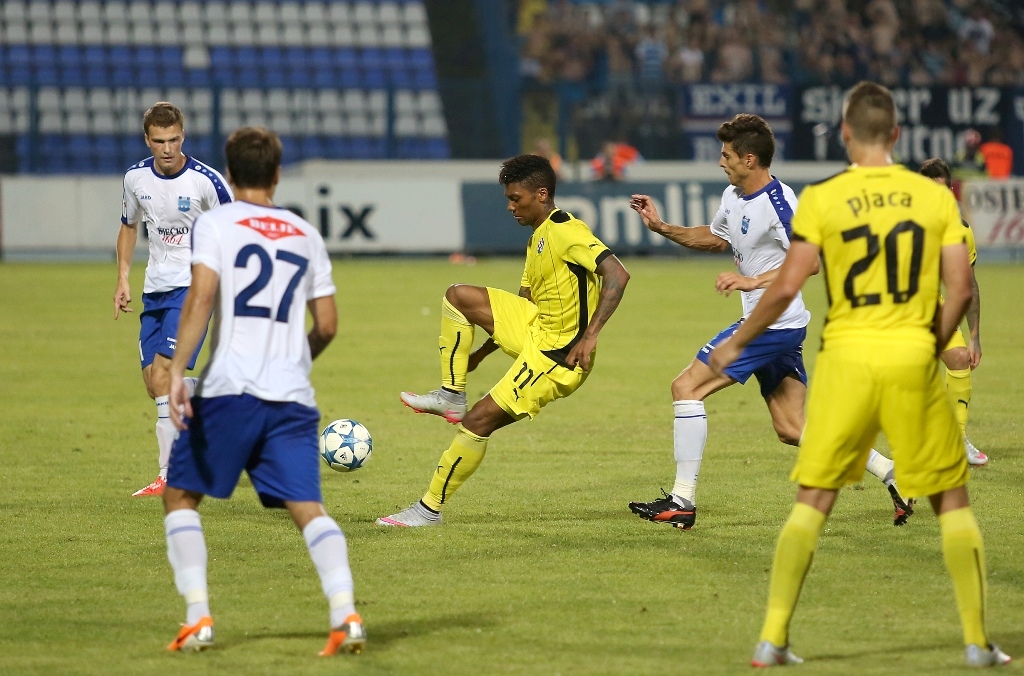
[
  {"x": 682, "y": 389},
  {"x": 789, "y": 431},
  {"x": 957, "y": 359},
  {"x": 457, "y": 295}
]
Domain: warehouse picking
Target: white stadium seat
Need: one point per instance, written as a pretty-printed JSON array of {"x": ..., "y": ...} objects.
[
  {"x": 414, "y": 14},
  {"x": 417, "y": 36},
  {"x": 77, "y": 122},
  {"x": 49, "y": 99},
  {"x": 51, "y": 122},
  {"x": 14, "y": 10}
]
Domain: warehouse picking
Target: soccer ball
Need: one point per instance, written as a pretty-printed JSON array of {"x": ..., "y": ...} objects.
[{"x": 345, "y": 445}]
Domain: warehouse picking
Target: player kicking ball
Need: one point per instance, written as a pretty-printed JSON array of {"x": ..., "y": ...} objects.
[
  {"x": 888, "y": 237},
  {"x": 754, "y": 220},
  {"x": 570, "y": 287},
  {"x": 166, "y": 193},
  {"x": 260, "y": 266}
]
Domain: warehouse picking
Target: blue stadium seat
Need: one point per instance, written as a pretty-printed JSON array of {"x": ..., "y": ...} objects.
[
  {"x": 274, "y": 76},
  {"x": 245, "y": 57},
  {"x": 322, "y": 77},
  {"x": 120, "y": 54},
  {"x": 123, "y": 73},
  {"x": 291, "y": 150},
  {"x": 312, "y": 147},
  {"x": 72, "y": 74},
  {"x": 271, "y": 57},
  {"x": 436, "y": 149},
  {"x": 19, "y": 55},
  {"x": 320, "y": 57},
  {"x": 361, "y": 148},
  {"x": 347, "y": 78},
  {"x": 221, "y": 57},
  {"x": 146, "y": 57},
  {"x": 373, "y": 78},
  {"x": 337, "y": 148},
  {"x": 197, "y": 77},
  {"x": 401, "y": 79},
  {"x": 95, "y": 55},
  {"x": 44, "y": 55},
  {"x": 173, "y": 75},
  {"x": 424, "y": 78},
  {"x": 171, "y": 54},
  {"x": 420, "y": 58},
  {"x": 345, "y": 57},
  {"x": 69, "y": 55},
  {"x": 371, "y": 57},
  {"x": 46, "y": 75}
]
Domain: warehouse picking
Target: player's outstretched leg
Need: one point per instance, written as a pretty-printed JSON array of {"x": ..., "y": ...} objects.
[
  {"x": 186, "y": 550},
  {"x": 670, "y": 509},
  {"x": 884, "y": 470},
  {"x": 455, "y": 466},
  {"x": 455, "y": 344}
]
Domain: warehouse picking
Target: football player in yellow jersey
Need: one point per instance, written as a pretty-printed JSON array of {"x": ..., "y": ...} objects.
[
  {"x": 959, "y": 357},
  {"x": 886, "y": 237},
  {"x": 570, "y": 287}
]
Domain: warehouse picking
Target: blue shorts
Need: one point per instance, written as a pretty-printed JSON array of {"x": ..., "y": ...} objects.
[
  {"x": 772, "y": 356},
  {"x": 275, "y": 442},
  {"x": 159, "y": 331}
]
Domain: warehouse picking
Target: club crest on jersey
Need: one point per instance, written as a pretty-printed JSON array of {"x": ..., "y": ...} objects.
[
  {"x": 272, "y": 228},
  {"x": 540, "y": 245},
  {"x": 184, "y": 203},
  {"x": 745, "y": 225}
]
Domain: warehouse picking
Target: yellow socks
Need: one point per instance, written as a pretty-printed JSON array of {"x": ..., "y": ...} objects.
[
  {"x": 793, "y": 556},
  {"x": 455, "y": 466},
  {"x": 456, "y": 342},
  {"x": 965, "y": 559},
  {"x": 958, "y": 385}
]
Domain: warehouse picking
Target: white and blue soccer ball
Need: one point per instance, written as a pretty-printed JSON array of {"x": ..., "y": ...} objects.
[{"x": 345, "y": 445}]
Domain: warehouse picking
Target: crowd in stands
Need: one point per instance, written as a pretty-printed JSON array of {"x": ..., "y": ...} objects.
[{"x": 624, "y": 44}]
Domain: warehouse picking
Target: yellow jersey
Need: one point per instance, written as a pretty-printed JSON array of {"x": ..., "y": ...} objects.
[
  {"x": 972, "y": 246},
  {"x": 561, "y": 260},
  {"x": 880, "y": 230}
]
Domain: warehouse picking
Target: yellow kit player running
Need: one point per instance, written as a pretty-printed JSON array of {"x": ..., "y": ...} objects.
[
  {"x": 959, "y": 357},
  {"x": 886, "y": 236},
  {"x": 570, "y": 287}
]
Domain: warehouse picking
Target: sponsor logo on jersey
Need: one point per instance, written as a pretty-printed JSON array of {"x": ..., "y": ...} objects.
[
  {"x": 145, "y": 197},
  {"x": 540, "y": 245},
  {"x": 184, "y": 203},
  {"x": 272, "y": 228},
  {"x": 745, "y": 224},
  {"x": 173, "y": 232}
]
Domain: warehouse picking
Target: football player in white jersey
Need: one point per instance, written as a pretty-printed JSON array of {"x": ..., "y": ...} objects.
[
  {"x": 754, "y": 220},
  {"x": 261, "y": 267},
  {"x": 165, "y": 192}
]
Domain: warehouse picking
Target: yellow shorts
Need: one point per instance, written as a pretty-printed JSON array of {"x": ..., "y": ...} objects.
[
  {"x": 956, "y": 340},
  {"x": 534, "y": 379},
  {"x": 855, "y": 391}
]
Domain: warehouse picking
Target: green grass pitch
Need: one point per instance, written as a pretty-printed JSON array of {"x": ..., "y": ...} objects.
[{"x": 539, "y": 568}]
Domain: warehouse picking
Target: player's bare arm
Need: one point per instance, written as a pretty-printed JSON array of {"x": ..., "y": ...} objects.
[
  {"x": 698, "y": 238},
  {"x": 613, "y": 284},
  {"x": 730, "y": 281},
  {"x": 195, "y": 317},
  {"x": 800, "y": 263},
  {"x": 956, "y": 275},
  {"x": 126, "y": 238},
  {"x": 974, "y": 322},
  {"x": 325, "y": 324}
]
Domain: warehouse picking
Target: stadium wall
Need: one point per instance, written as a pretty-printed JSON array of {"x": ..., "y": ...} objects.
[{"x": 427, "y": 207}]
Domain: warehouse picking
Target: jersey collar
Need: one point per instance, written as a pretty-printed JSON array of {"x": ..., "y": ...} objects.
[
  {"x": 183, "y": 169},
  {"x": 772, "y": 184}
]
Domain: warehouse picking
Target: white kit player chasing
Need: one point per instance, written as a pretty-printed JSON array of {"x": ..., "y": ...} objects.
[
  {"x": 754, "y": 220},
  {"x": 165, "y": 192},
  {"x": 260, "y": 267}
]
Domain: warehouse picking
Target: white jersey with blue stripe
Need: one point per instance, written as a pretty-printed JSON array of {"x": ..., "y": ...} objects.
[
  {"x": 270, "y": 264},
  {"x": 757, "y": 227},
  {"x": 167, "y": 206}
]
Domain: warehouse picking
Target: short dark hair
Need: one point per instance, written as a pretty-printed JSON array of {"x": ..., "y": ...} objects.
[
  {"x": 532, "y": 171},
  {"x": 749, "y": 135},
  {"x": 936, "y": 167},
  {"x": 162, "y": 114},
  {"x": 253, "y": 155},
  {"x": 870, "y": 112}
]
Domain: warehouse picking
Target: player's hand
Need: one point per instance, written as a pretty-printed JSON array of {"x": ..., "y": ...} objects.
[
  {"x": 724, "y": 354},
  {"x": 974, "y": 351},
  {"x": 728, "y": 282},
  {"x": 179, "y": 404},
  {"x": 644, "y": 205},
  {"x": 582, "y": 353},
  {"x": 475, "y": 358},
  {"x": 122, "y": 296}
]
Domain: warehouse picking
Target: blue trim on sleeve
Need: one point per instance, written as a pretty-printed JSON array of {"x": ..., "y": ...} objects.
[
  {"x": 218, "y": 184},
  {"x": 778, "y": 199}
]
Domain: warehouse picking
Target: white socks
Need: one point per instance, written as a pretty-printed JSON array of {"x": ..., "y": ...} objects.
[
  {"x": 881, "y": 467},
  {"x": 329, "y": 551},
  {"x": 186, "y": 550},
  {"x": 690, "y": 432},
  {"x": 165, "y": 431}
]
